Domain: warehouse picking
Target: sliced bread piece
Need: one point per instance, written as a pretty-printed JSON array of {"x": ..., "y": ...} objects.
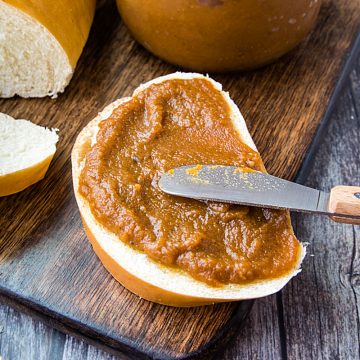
[
  {"x": 134, "y": 269},
  {"x": 26, "y": 151}
]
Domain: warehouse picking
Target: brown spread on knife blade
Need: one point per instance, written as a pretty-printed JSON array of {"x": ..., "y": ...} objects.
[{"x": 170, "y": 124}]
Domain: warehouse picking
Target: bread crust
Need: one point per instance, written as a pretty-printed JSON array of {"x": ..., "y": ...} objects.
[
  {"x": 133, "y": 269},
  {"x": 21, "y": 179}
]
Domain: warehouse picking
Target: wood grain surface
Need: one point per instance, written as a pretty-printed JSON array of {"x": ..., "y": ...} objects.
[
  {"x": 308, "y": 320},
  {"x": 46, "y": 262}
]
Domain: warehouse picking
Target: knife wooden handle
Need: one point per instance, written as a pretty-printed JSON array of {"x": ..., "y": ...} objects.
[{"x": 345, "y": 200}]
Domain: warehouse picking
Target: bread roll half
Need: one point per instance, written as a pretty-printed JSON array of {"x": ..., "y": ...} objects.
[
  {"x": 134, "y": 269},
  {"x": 40, "y": 44}
]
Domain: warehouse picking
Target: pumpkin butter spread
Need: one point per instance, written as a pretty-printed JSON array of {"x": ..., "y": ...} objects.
[{"x": 175, "y": 123}]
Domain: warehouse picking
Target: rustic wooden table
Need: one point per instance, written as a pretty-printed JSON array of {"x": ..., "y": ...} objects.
[{"x": 317, "y": 316}]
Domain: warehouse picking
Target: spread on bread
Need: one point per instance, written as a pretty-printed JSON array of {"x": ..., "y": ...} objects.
[{"x": 168, "y": 124}]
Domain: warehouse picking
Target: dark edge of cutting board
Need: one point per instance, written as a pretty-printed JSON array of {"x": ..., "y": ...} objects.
[
  {"x": 343, "y": 78},
  {"x": 91, "y": 335},
  {"x": 64, "y": 324}
]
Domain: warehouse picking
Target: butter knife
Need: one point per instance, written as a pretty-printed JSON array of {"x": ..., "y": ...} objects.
[{"x": 247, "y": 187}]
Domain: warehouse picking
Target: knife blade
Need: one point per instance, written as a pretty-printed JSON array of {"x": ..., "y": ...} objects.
[{"x": 243, "y": 186}]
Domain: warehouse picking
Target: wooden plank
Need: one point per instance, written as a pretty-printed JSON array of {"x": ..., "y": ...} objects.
[
  {"x": 321, "y": 306},
  {"x": 22, "y": 337},
  {"x": 259, "y": 337},
  {"x": 45, "y": 259}
]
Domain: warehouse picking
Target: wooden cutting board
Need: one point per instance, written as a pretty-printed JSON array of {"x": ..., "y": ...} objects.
[{"x": 47, "y": 266}]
